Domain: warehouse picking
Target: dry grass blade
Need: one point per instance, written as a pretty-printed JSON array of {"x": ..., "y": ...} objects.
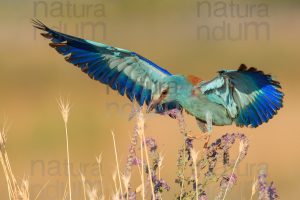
[
  {"x": 83, "y": 184},
  {"x": 24, "y": 189},
  {"x": 99, "y": 163},
  {"x": 92, "y": 193},
  {"x": 39, "y": 193},
  {"x": 114, "y": 177},
  {"x": 141, "y": 124},
  {"x": 241, "y": 147},
  {"x": 140, "y": 130},
  {"x": 12, "y": 185},
  {"x": 126, "y": 181},
  {"x": 117, "y": 163},
  {"x": 254, "y": 188},
  {"x": 161, "y": 158},
  {"x": 194, "y": 156},
  {"x": 65, "y": 107},
  {"x": 65, "y": 192}
]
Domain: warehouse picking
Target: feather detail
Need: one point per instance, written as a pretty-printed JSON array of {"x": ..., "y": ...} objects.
[{"x": 194, "y": 80}]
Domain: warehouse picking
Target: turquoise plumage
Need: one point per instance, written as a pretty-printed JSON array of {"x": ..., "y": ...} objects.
[
  {"x": 246, "y": 97},
  {"x": 250, "y": 96}
]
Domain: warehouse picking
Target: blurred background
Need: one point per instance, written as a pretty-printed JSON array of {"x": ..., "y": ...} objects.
[{"x": 185, "y": 37}]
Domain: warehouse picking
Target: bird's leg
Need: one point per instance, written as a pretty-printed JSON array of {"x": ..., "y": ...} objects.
[
  {"x": 195, "y": 136},
  {"x": 202, "y": 125},
  {"x": 208, "y": 126},
  {"x": 204, "y": 135},
  {"x": 188, "y": 134},
  {"x": 207, "y": 138}
]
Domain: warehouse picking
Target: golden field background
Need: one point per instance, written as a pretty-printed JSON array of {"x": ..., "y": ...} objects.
[{"x": 32, "y": 76}]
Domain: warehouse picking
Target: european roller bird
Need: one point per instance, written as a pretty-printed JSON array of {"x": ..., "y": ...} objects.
[{"x": 246, "y": 97}]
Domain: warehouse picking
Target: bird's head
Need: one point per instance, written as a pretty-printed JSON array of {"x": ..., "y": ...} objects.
[{"x": 169, "y": 90}]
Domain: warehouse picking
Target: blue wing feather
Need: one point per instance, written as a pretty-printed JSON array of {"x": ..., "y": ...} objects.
[
  {"x": 256, "y": 97},
  {"x": 266, "y": 98},
  {"x": 122, "y": 70}
]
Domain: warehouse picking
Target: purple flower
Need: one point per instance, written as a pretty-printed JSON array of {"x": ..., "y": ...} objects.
[
  {"x": 266, "y": 192},
  {"x": 203, "y": 196},
  {"x": 132, "y": 196},
  {"x": 136, "y": 161},
  {"x": 159, "y": 184},
  {"x": 132, "y": 152},
  {"x": 221, "y": 148},
  {"x": 262, "y": 185},
  {"x": 272, "y": 192},
  {"x": 151, "y": 143},
  {"x": 228, "y": 181}
]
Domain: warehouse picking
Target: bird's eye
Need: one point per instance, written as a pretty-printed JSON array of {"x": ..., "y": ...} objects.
[{"x": 165, "y": 92}]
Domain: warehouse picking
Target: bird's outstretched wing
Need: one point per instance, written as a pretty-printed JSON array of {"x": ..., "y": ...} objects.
[
  {"x": 122, "y": 70},
  {"x": 251, "y": 97}
]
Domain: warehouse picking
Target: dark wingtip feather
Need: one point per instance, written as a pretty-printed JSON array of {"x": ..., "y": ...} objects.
[
  {"x": 85, "y": 68},
  {"x": 39, "y": 25},
  {"x": 47, "y": 35},
  {"x": 54, "y": 45},
  {"x": 276, "y": 83},
  {"x": 253, "y": 69},
  {"x": 244, "y": 68}
]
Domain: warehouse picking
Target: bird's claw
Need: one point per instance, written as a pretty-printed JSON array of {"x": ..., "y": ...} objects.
[
  {"x": 205, "y": 137},
  {"x": 194, "y": 137}
]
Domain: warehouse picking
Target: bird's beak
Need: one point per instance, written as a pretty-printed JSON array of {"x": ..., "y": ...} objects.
[{"x": 152, "y": 105}]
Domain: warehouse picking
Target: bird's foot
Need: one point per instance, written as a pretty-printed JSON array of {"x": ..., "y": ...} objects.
[
  {"x": 194, "y": 136},
  {"x": 207, "y": 138}
]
